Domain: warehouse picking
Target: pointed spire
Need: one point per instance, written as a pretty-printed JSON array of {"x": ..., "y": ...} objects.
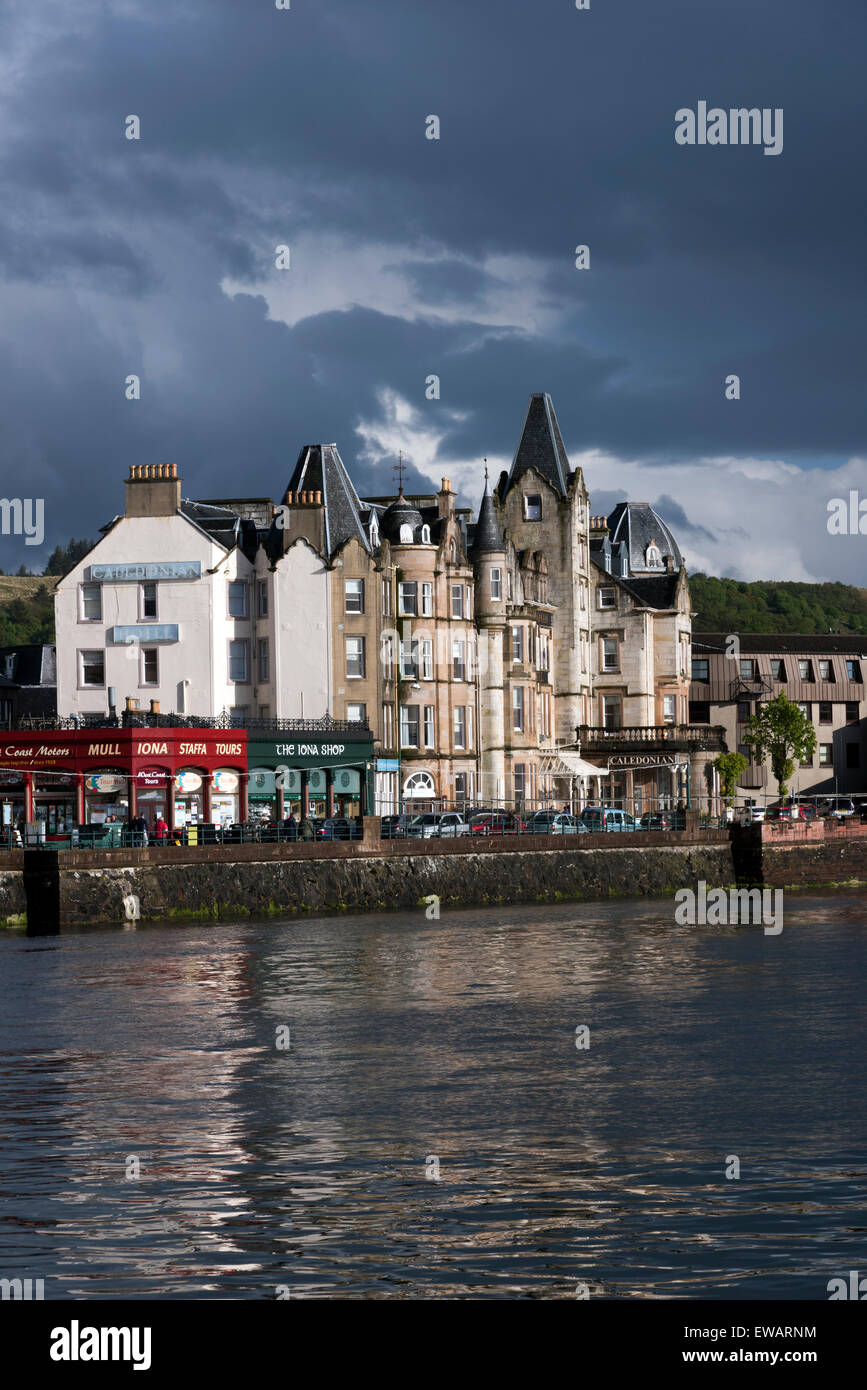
[
  {"x": 488, "y": 535},
  {"x": 541, "y": 445}
]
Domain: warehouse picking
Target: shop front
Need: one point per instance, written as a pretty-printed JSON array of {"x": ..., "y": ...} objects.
[
  {"x": 316, "y": 774},
  {"x": 54, "y": 782}
]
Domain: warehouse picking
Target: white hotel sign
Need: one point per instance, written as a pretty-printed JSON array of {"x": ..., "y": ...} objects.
[{"x": 149, "y": 569}]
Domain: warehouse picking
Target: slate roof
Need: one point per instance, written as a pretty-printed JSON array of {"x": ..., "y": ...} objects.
[
  {"x": 783, "y": 643},
  {"x": 34, "y": 664},
  {"x": 487, "y": 533},
  {"x": 637, "y": 524},
  {"x": 541, "y": 446},
  {"x": 654, "y": 591},
  {"x": 320, "y": 469}
]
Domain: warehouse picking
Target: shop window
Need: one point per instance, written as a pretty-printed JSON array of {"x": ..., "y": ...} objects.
[
  {"x": 91, "y": 603},
  {"x": 92, "y": 668}
]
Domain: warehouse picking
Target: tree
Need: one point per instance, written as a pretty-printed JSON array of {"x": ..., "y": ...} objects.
[
  {"x": 730, "y": 766},
  {"x": 781, "y": 731}
]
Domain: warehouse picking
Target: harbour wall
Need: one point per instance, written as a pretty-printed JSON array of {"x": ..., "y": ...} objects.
[{"x": 47, "y": 890}]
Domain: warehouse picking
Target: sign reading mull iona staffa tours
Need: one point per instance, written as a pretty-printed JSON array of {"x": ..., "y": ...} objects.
[{"x": 186, "y": 777}]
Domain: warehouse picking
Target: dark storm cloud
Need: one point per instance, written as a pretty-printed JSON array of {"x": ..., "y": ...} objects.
[{"x": 261, "y": 126}]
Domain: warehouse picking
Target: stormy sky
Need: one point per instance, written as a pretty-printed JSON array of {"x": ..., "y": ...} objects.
[{"x": 456, "y": 257}]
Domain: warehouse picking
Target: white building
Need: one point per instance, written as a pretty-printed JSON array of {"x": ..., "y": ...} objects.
[{"x": 179, "y": 606}]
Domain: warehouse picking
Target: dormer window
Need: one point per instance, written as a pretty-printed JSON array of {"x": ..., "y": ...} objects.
[
  {"x": 653, "y": 556},
  {"x": 374, "y": 529},
  {"x": 533, "y": 507},
  {"x": 406, "y": 535},
  {"x": 425, "y": 535}
]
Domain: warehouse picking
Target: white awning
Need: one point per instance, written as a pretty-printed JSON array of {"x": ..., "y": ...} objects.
[{"x": 571, "y": 765}]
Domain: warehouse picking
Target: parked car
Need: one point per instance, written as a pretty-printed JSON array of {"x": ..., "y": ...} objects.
[
  {"x": 336, "y": 828},
  {"x": 395, "y": 827},
  {"x": 599, "y": 818},
  {"x": 842, "y": 808},
  {"x": 750, "y": 815},
  {"x": 554, "y": 823},
  {"x": 658, "y": 820},
  {"x": 496, "y": 823},
  {"x": 438, "y": 823}
]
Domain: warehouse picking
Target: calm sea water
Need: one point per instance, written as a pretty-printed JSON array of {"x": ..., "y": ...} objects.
[{"x": 409, "y": 1039}]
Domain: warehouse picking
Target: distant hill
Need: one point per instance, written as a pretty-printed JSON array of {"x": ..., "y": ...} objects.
[
  {"x": 771, "y": 605},
  {"x": 26, "y": 609}
]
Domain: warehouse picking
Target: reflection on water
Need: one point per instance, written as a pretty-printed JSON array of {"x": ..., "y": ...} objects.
[{"x": 307, "y": 1167}]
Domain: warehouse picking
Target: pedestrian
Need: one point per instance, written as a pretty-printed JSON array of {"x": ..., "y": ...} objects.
[
  {"x": 290, "y": 827},
  {"x": 161, "y": 830},
  {"x": 308, "y": 831}
]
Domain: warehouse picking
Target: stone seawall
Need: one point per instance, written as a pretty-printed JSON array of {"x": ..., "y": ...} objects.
[
  {"x": 77, "y": 887},
  {"x": 289, "y": 886}
]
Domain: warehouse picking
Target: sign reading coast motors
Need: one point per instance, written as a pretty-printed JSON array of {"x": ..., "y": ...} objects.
[{"x": 149, "y": 569}]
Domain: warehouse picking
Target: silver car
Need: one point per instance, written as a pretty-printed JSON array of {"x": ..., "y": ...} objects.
[{"x": 438, "y": 823}]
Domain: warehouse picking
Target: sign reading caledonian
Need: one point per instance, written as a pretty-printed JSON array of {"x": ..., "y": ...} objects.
[
  {"x": 148, "y": 569},
  {"x": 647, "y": 760}
]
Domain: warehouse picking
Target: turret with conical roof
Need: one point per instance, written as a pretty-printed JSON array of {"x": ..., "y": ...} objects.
[{"x": 488, "y": 555}]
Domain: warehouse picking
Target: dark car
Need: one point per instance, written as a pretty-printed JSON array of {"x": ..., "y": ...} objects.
[
  {"x": 395, "y": 827},
  {"x": 496, "y": 823},
  {"x": 658, "y": 820},
  {"x": 336, "y": 828}
]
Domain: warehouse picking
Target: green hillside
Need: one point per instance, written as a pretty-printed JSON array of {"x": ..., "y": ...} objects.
[
  {"x": 729, "y": 605},
  {"x": 26, "y": 609}
]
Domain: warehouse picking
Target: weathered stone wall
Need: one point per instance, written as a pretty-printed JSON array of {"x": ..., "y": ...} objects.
[
  {"x": 293, "y": 886},
  {"x": 13, "y": 904}
]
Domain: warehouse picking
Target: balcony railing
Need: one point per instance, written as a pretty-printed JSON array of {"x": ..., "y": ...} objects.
[
  {"x": 649, "y": 735},
  {"x": 147, "y": 719}
]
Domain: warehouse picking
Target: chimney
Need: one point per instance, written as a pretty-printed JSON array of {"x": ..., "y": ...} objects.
[
  {"x": 155, "y": 706},
  {"x": 445, "y": 499},
  {"x": 131, "y": 703},
  {"x": 669, "y": 564},
  {"x": 153, "y": 489}
]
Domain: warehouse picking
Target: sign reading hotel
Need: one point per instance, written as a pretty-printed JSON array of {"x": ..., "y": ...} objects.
[
  {"x": 149, "y": 569},
  {"x": 144, "y": 632}
]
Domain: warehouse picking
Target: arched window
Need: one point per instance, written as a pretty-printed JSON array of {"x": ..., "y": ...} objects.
[
  {"x": 453, "y": 551},
  {"x": 418, "y": 784},
  {"x": 406, "y": 535},
  {"x": 425, "y": 535}
]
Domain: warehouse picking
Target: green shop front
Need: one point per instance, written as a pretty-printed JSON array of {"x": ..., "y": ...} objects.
[{"x": 310, "y": 774}]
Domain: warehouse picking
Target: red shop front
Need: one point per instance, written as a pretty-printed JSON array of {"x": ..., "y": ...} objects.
[{"x": 92, "y": 776}]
